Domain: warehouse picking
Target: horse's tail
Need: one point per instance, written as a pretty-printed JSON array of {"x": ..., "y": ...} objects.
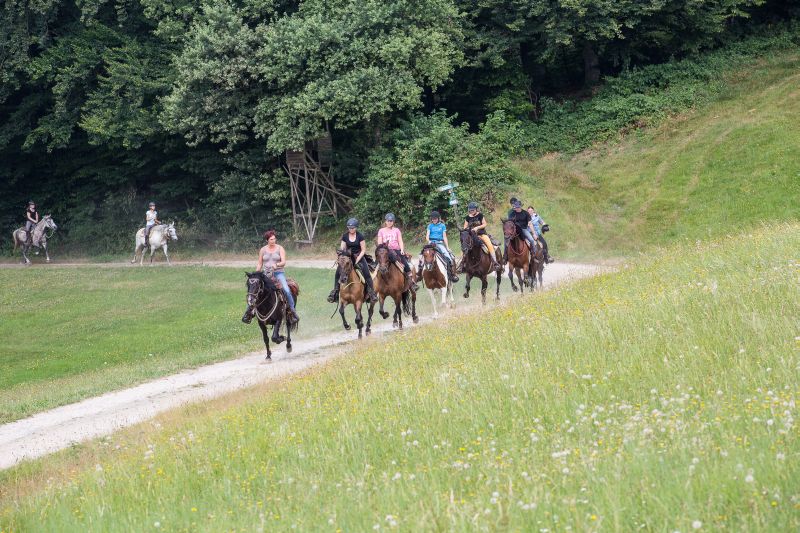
[{"x": 406, "y": 301}]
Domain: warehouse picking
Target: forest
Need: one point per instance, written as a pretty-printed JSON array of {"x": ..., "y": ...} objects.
[{"x": 106, "y": 105}]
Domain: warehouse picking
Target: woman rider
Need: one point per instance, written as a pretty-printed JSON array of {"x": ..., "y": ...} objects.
[
  {"x": 272, "y": 259},
  {"x": 521, "y": 219},
  {"x": 31, "y": 219},
  {"x": 151, "y": 219},
  {"x": 392, "y": 237},
  {"x": 476, "y": 222},
  {"x": 353, "y": 242},
  {"x": 436, "y": 234},
  {"x": 535, "y": 225}
]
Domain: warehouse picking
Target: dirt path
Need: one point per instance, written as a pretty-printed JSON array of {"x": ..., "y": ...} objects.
[
  {"x": 59, "y": 428},
  {"x": 235, "y": 263}
]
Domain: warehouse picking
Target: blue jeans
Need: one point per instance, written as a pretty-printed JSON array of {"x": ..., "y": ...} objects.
[
  {"x": 443, "y": 249},
  {"x": 281, "y": 276},
  {"x": 529, "y": 237}
]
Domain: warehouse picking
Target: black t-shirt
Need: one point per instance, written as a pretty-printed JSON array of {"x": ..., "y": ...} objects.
[
  {"x": 520, "y": 219},
  {"x": 34, "y": 214},
  {"x": 476, "y": 220},
  {"x": 354, "y": 247}
]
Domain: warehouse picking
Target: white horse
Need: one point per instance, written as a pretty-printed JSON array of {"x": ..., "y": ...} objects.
[
  {"x": 160, "y": 235},
  {"x": 38, "y": 241},
  {"x": 435, "y": 277}
]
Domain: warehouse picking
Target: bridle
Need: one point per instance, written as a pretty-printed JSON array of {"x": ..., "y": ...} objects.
[
  {"x": 253, "y": 297},
  {"x": 429, "y": 253},
  {"x": 345, "y": 269},
  {"x": 511, "y": 240}
]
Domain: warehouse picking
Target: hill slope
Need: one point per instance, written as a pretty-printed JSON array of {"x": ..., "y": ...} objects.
[{"x": 718, "y": 170}]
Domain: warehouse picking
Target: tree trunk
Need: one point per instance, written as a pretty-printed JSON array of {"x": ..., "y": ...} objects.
[{"x": 591, "y": 65}]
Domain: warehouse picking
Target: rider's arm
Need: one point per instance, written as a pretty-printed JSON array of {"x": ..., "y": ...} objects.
[
  {"x": 342, "y": 245},
  {"x": 466, "y": 225},
  {"x": 260, "y": 263},
  {"x": 444, "y": 238},
  {"x": 428, "y": 235},
  {"x": 282, "y": 262},
  {"x": 400, "y": 242},
  {"x": 482, "y": 225},
  {"x": 363, "y": 251},
  {"x": 30, "y": 218}
]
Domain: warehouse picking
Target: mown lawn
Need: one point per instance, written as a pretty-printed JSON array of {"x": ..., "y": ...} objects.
[
  {"x": 722, "y": 169},
  {"x": 70, "y": 333},
  {"x": 663, "y": 397}
]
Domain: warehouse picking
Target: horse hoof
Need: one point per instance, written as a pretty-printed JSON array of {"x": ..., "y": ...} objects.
[
  {"x": 368, "y": 332},
  {"x": 268, "y": 357},
  {"x": 347, "y": 327},
  {"x": 515, "y": 289},
  {"x": 288, "y": 348},
  {"x": 415, "y": 319},
  {"x": 385, "y": 315}
]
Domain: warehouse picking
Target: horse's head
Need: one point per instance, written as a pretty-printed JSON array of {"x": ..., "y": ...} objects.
[
  {"x": 382, "y": 258},
  {"x": 255, "y": 286},
  {"x": 428, "y": 257},
  {"x": 509, "y": 229},
  {"x": 48, "y": 222},
  {"x": 344, "y": 260},
  {"x": 468, "y": 238},
  {"x": 173, "y": 235}
]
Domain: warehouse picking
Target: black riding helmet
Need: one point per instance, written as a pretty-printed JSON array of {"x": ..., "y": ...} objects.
[
  {"x": 471, "y": 206},
  {"x": 435, "y": 214},
  {"x": 352, "y": 223},
  {"x": 151, "y": 204}
]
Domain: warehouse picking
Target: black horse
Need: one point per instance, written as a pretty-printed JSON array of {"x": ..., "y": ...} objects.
[
  {"x": 270, "y": 308},
  {"x": 477, "y": 263}
]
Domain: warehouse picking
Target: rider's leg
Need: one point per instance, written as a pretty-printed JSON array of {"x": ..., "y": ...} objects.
[
  {"x": 546, "y": 251},
  {"x": 368, "y": 280},
  {"x": 29, "y": 231},
  {"x": 147, "y": 235},
  {"x": 505, "y": 248},
  {"x": 334, "y": 295},
  {"x": 281, "y": 277},
  {"x": 490, "y": 247},
  {"x": 449, "y": 259},
  {"x": 529, "y": 237}
]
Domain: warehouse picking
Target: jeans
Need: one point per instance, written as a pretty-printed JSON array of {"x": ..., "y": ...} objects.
[
  {"x": 281, "y": 277},
  {"x": 147, "y": 229},
  {"x": 443, "y": 250},
  {"x": 364, "y": 270},
  {"x": 529, "y": 237},
  {"x": 395, "y": 255}
]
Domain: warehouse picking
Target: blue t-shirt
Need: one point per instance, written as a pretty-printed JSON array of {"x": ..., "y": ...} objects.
[
  {"x": 436, "y": 231},
  {"x": 536, "y": 222}
]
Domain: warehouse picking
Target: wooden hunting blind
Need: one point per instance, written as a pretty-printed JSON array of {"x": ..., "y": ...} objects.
[{"x": 312, "y": 188}]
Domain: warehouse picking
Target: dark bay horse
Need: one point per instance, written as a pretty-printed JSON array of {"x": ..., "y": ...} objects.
[
  {"x": 477, "y": 263},
  {"x": 352, "y": 290},
  {"x": 537, "y": 266},
  {"x": 269, "y": 308},
  {"x": 391, "y": 282},
  {"x": 519, "y": 257},
  {"x": 435, "y": 277}
]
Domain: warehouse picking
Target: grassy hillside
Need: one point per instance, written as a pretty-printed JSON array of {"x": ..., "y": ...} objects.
[
  {"x": 663, "y": 397},
  {"x": 723, "y": 169}
]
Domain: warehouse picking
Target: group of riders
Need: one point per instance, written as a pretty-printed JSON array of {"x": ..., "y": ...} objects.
[{"x": 530, "y": 225}]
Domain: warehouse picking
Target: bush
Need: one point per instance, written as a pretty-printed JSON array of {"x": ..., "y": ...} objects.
[{"x": 426, "y": 152}]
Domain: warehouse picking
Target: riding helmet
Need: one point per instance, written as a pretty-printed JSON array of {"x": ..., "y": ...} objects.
[
  {"x": 31, "y": 202},
  {"x": 516, "y": 204},
  {"x": 472, "y": 205},
  {"x": 513, "y": 200},
  {"x": 389, "y": 217},
  {"x": 435, "y": 214},
  {"x": 352, "y": 223},
  {"x": 151, "y": 204}
]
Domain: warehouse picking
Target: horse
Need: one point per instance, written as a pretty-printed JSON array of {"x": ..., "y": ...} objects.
[
  {"x": 477, "y": 263},
  {"x": 352, "y": 291},
  {"x": 38, "y": 240},
  {"x": 518, "y": 256},
  {"x": 270, "y": 308},
  {"x": 391, "y": 281},
  {"x": 537, "y": 266},
  {"x": 435, "y": 277},
  {"x": 160, "y": 235}
]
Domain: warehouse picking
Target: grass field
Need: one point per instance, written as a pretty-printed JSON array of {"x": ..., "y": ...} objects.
[
  {"x": 663, "y": 397},
  {"x": 719, "y": 170},
  {"x": 70, "y": 333}
]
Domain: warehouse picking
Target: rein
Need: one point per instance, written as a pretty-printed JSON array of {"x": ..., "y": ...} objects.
[{"x": 264, "y": 318}]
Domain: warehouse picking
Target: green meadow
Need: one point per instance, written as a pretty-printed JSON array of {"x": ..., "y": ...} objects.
[
  {"x": 724, "y": 168},
  {"x": 661, "y": 397}
]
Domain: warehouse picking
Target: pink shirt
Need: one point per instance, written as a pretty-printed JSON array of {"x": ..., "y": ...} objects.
[{"x": 391, "y": 236}]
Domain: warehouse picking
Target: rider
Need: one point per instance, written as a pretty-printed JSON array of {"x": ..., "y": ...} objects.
[
  {"x": 521, "y": 219},
  {"x": 436, "y": 234},
  {"x": 31, "y": 219},
  {"x": 272, "y": 258},
  {"x": 151, "y": 219},
  {"x": 476, "y": 222},
  {"x": 353, "y": 241},
  {"x": 536, "y": 224},
  {"x": 392, "y": 237}
]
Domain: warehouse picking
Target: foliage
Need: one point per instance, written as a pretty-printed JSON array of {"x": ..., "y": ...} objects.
[
  {"x": 424, "y": 153},
  {"x": 675, "y": 376}
]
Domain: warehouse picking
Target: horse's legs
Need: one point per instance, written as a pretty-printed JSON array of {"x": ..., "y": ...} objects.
[
  {"x": 136, "y": 250},
  {"x": 449, "y": 290},
  {"x": 277, "y": 338},
  {"x": 414, "y": 316},
  {"x": 359, "y": 317},
  {"x": 266, "y": 338},
  {"x": 46, "y": 255},
  {"x": 288, "y": 338},
  {"x": 383, "y": 313},
  {"x": 344, "y": 320},
  {"x": 397, "y": 320},
  {"x": 166, "y": 254},
  {"x": 370, "y": 310},
  {"x": 511, "y": 277},
  {"x": 25, "y": 248},
  {"x": 466, "y": 288},
  {"x": 485, "y": 285},
  {"x": 433, "y": 302},
  {"x": 152, "y": 251},
  {"x": 521, "y": 283},
  {"x": 499, "y": 280}
]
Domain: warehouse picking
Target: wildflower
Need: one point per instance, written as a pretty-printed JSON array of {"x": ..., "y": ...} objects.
[
  {"x": 697, "y": 524},
  {"x": 780, "y": 457},
  {"x": 749, "y": 478},
  {"x": 156, "y": 525}
]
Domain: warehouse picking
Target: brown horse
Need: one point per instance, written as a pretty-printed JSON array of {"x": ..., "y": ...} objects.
[
  {"x": 352, "y": 290},
  {"x": 435, "y": 277},
  {"x": 391, "y": 282},
  {"x": 477, "y": 263},
  {"x": 518, "y": 256},
  {"x": 537, "y": 266}
]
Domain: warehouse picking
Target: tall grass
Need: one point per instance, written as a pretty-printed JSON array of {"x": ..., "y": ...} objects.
[{"x": 663, "y": 397}]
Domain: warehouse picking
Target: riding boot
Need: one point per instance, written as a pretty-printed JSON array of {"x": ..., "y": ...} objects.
[
  {"x": 452, "y": 272},
  {"x": 411, "y": 283},
  {"x": 371, "y": 296},
  {"x": 247, "y": 317},
  {"x": 547, "y": 258},
  {"x": 334, "y": 295},
  {"x": 291, "y": 316}
]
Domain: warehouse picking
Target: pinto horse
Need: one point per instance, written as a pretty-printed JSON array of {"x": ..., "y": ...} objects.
[
  {"x": 435, "y": 277},
  {"x": 390, "y": 281},
  {"x": 477, "y": 263},
  {"x": 519, "y": 257},
  {"x": 269, "y": 308},
  {"x": 352, "y": 291}
]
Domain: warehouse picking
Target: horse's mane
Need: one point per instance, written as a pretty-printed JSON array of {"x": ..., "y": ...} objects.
[{"x": 429, "y": 246}]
